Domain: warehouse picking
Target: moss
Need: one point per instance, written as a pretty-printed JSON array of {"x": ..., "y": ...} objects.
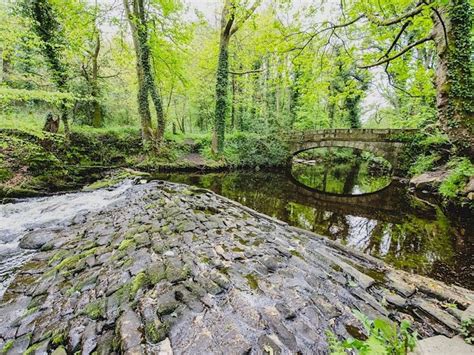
[
  {"x": 32, "y": 349},
  {"x": 126, "y": 243},
  {"x": 155, "y": 274},
  {"x": 95, "y": 310},
  {"x": 243, "y": 241},
  {"x": 58, "y": 256},
  {"x": 156, "y": 332},
  {"x": 252, "y": 281},
  {"x": 138, "y": 282},
  {"x": 296, "y": 253},
  {"x": 6, "y": 347},
  {"x": 205, "y": 260},
  {"x": 68, "y": 262}
]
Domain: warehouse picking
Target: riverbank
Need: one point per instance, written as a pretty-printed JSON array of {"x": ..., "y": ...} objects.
[
  {"x": 186, "y": 270},
  {"x": 38, "y": 163}
]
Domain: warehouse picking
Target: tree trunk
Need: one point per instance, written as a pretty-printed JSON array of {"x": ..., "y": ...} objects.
[
  {"x": 142, "y": 94},
  {"x": 97, "y": 113},
  {"x": 232, "y": 108},
  {"x": 149, "y": 79},
  {"x": 454, "y": 76},
  {"x": 222, "y": 83}
]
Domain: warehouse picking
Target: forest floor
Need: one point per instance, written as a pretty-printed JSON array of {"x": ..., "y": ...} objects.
[
  {"x": 195, "y": 159},
  {"x": 168, "y": 267}
]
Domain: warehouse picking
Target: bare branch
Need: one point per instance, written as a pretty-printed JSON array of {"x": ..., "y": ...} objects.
[
  {"x": 246, "y": 72},
  {"x": 249, "y": 13},
  {"x": 381, "y": 22},
  {"x": 403, "y": 51},
  {"x": 330, "y": 28},
  {"x": 442, "y": 24},
  {"x": 405, "y": 25}
]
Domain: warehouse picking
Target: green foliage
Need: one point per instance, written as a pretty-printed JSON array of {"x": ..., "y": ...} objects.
[
  {"x": 462, "y": 170},
  {"x": 251, "y": 150},
  {"x": 383, "y": 337},
  {"x": 460, "y": 65},
  {"x": 9, "y": 95},
  {"x": 423, "y": 163},
  {"x": 467, "y": 330}
]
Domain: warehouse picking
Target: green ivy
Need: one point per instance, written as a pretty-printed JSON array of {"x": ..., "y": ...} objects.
[{"x": 460, "y": 75}]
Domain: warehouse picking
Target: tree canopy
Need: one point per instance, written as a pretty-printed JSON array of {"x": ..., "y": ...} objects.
[{"x": 289, "y": 65}]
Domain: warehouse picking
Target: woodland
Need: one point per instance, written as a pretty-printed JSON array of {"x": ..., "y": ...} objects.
[
  {"x": 238, "y": 71},
  {"x": 236, "y": 176}
]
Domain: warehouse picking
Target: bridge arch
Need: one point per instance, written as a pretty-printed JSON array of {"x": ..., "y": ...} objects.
[{"x": 386, "y": 143}]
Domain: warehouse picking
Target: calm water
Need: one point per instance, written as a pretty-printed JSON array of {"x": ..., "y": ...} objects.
[{"x": 390, "y": 224}]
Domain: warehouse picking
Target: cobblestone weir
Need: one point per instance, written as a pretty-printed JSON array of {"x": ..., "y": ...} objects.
[{"x": 176, "y": 269}]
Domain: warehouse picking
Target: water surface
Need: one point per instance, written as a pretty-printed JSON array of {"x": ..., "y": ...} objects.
[{"x": 390, "y": 224}]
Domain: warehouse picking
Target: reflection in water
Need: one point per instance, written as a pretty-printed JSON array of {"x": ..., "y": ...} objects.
[
  {"x": 389, "y": 224},
  {"x": 349, "y": 175}
]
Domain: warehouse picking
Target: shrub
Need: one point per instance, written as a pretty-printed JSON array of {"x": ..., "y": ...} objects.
[
  {"x": 462, "y": 170},
  {"x": 251, "y": 150},
  {"x": 423, "y": 163}
]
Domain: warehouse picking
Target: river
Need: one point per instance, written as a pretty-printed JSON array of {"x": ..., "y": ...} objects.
[
  {"x": 359, "y": 211},
  {"x": 390, "y": 224}
]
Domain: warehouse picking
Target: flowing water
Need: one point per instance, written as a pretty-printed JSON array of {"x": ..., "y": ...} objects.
[{"x": 17, "y": 219}]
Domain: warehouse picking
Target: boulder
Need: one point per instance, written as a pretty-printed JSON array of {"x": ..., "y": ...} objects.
[
  {"x": 36, "y": 239},
  {"x": 428, "y": 181},
  {"x": 441, "y": 345}
]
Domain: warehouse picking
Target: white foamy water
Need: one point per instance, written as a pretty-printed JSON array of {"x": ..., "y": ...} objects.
[
  {"x": 16, "y": 218},
  {"x": 36, "y": 213}
]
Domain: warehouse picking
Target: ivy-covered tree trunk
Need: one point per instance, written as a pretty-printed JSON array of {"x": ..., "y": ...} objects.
[
  {"x": 47, "y": 28},
  {"x": 147, "y": 71},
  {"x": 146, "y": 80},
  {"x": 96, "y": 111},
  {"x": 454, "y": 75},
  {"x": 222, "y": 83},
  {"x": 142, "y": 94}
]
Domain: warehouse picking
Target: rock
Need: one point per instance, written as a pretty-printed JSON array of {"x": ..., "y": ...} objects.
[
  {"x": 437, "y": 313},
  {"x": 166, "y": 303},
  {"x": 429, "y": 181},
  {"x": 164, "y": 348},
  {"x": 270, "y": 344},
  {"x": 468, "y": 314},
  {"x": 19, "y": 345},
  {"x": 189, "y": 226},
  {"x": 469, "y": 188},
  {"x": 397, "y": 282},
  {"x": 105, "y": 343},
  {"x": 36, "y": 239},
  {"x": 129, "y": 332},
  {"x": 441, "y": 345},
  {"x": 89, "y": 339},
  {"x": 59, "y": 351},
  {"x": 136, "y": 282}
]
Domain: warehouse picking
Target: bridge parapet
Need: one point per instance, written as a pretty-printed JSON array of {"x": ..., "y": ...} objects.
[
  {"x": 383, "y": 142},
  {"x": 349, "y": 134}
]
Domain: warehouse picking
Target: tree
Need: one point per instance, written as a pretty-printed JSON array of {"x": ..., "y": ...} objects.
[
  {"x": 47, "y": 28},
  {"x": 233, "y": 17},
  {"x": 451, "y": 32},
  {"x": 137, "y": 18}
]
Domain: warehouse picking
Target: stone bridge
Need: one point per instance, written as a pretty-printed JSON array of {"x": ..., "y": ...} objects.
[{"x": 386, "y": 143}]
